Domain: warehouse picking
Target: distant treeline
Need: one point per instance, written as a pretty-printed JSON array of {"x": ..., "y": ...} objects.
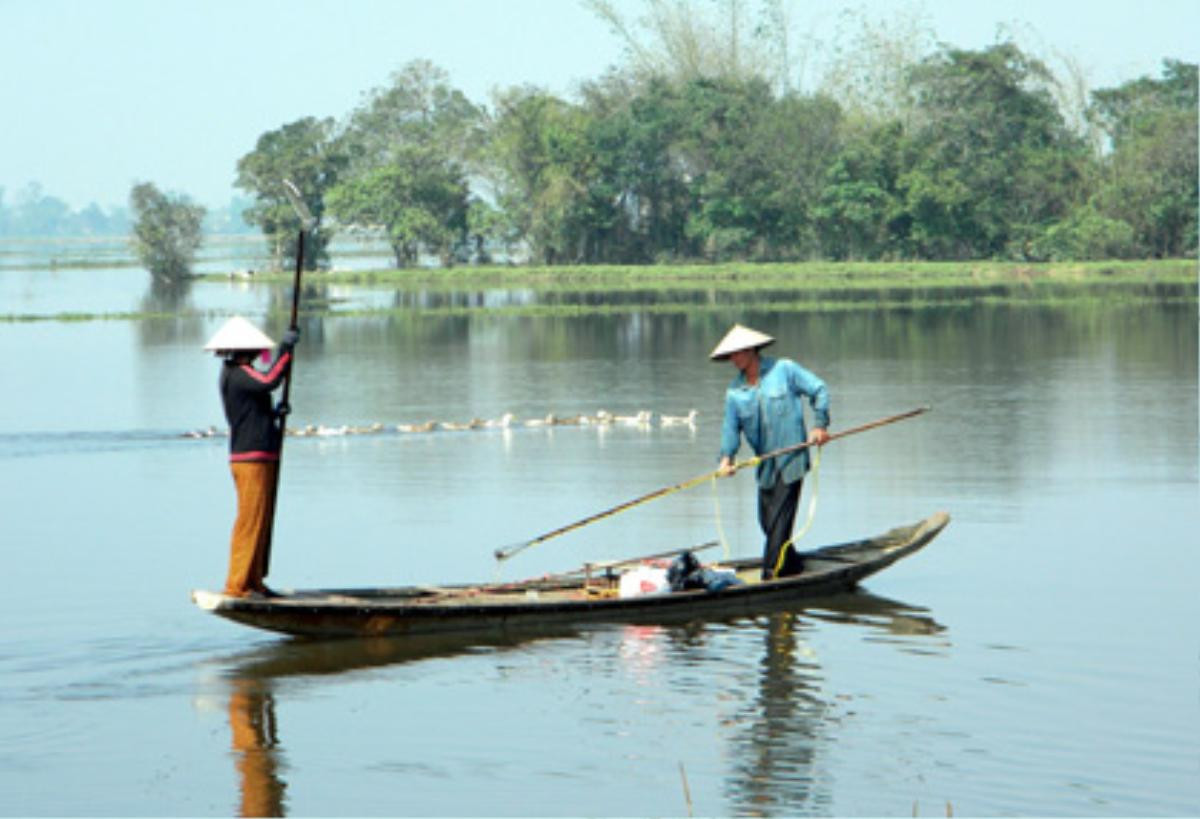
[
  {"x": 34, "y": 212},
  {"x": 969, "y": 156}
]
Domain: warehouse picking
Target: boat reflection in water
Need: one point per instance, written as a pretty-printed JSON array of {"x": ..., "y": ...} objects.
[
  {"x": 253, "y": 677},
  {"x": 777, "y": 735}
]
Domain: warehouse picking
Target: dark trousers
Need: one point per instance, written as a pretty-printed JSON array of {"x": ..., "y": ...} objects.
[{"x": 776, "y": 515}]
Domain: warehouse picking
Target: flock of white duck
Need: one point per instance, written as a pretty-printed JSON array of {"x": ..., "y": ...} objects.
[{"x": 643, "y": 419}]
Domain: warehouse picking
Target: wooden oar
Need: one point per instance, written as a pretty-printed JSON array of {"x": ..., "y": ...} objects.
[
  {"x": 505, "y": 552},
  {"x": 306, "y": 223}
]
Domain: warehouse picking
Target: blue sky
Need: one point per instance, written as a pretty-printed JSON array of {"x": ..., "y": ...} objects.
[{"x": 100, "y": 94}]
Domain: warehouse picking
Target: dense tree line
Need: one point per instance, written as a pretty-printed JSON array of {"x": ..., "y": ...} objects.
[{"x": 971, "y": 157}]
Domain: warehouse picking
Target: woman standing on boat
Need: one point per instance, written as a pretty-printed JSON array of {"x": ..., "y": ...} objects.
[
  {"x": 254, "y": 443},
  {"x": 764, "y": 402}
]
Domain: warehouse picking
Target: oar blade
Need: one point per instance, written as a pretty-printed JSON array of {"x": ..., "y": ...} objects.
[{"x": 505, "y": 552}]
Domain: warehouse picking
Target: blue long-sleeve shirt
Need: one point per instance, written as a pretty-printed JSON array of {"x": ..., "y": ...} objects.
[{"x": 771, "y": 416}]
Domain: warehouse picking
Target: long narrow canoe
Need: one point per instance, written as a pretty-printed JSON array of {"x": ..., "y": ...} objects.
[{"x": 573, "y": 599}]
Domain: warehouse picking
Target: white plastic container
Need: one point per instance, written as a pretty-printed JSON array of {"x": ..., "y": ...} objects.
[{"x": 641, "y": 581}]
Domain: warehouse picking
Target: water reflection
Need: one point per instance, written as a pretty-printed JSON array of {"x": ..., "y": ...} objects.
[
  {"x": 256, "y": 748},
  {"x": 306, "y": 658},
  {"x": 407, "y": 298},
  {"x": 787, "y": 724},
  {"x": 780, "y": 734},
  {"x": 167, "y": 295},
  {"x": 777, "y": 751},
  {"x": 258, "y": 752},
  {"x": 171, "y": 300},
  {"x": 886, "y": 619}
]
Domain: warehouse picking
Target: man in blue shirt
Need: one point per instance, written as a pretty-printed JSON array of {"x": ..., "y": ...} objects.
[{"x": 765, "y": 403}]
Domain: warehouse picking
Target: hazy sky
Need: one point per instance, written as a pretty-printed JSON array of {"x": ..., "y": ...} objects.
[{"x": 99, "y": 94}]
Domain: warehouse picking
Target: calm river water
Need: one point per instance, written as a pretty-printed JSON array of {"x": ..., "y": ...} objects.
[{"x": 1042, "y": 656}]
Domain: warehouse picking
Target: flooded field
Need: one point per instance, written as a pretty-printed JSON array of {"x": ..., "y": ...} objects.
[{"x": 1040, "y": 657}]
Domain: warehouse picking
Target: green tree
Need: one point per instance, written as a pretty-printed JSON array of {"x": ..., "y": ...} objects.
[
  {"x": 408, "y": 148},
  {"x": 633, "y": 127},
  {"x": 487, "y": 228},
  {"x": 994, "y": 163},
  {"x": 166, "y": 232},
  {"x": 860, "y": 211},
  {"x": 701, "y": 147},
  {"x": 753, "y": 165},
  {"x": 712, "y": 154},
  {"x": 307, "y": 153},
  {"x": 788, "y": 153},
  {"x": 544, "y": 168},
  {"x": 1135, "y": 106},
  {"x": 1148, "y": 180},
  {"x": 1085, "y": 235},
  {"x": 419, "y": 107},
  {"x": 416, "y": 202},
  {"x": 654, "y": 168}
]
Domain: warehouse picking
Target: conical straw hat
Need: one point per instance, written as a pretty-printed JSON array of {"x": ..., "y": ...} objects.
[
  {"x": 239, "y": 334},
  {"x": 740, "y": 338}
]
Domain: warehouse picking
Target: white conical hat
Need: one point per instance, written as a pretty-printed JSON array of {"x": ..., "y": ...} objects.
[
  {"x": 239, "y": 334},
  {"x": 740, "y": 338}
]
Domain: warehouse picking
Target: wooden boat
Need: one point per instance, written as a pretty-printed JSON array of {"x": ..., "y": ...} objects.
[
  {"x": 587, "y": 595},
  {"x": 278, "y": 659}
]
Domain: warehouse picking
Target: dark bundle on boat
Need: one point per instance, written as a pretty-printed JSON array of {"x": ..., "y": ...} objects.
[{"x": 686, "y": 573}]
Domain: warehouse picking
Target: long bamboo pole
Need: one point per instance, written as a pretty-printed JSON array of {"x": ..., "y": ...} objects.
[
  {"x": 306, "y": 223},
  {"x": 505, "y": 552}
]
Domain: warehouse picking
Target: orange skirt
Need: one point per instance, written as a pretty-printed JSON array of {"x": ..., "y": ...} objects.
[{"x": 255, "y": 482}]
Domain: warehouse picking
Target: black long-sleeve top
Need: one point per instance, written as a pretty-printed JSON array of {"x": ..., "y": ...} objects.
[{"x": 246, "y": 394}]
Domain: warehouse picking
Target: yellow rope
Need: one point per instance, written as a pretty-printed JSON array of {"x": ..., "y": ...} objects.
[
  {"x": 808, "y": 522},
  {"x": 812, "y": 511}
]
